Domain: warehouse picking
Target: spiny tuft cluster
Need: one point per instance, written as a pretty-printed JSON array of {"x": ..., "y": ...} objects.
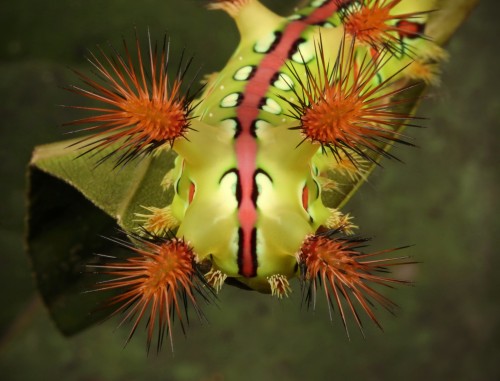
[
  {"x": 376, "y": 24},
  {"x": 142, "y": 110},
  {"x": 344, "y": 109},
  {"x": 156, "y": 283},
  {"x": 346, "y": 275}
]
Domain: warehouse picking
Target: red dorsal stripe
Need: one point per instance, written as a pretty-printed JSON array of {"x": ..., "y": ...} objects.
[{"x": 246, "y": 145}]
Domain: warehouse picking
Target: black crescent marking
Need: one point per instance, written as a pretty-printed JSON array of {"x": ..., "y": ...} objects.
[
  {"x": 238, "y": 183},
  {"x": 250, "y": 75},
  {"x": 237, "y": 131},
  {"x": 253, "y": 128},
  {"x": 295, "y": 47},
  {"x": 253, "y": 250}
]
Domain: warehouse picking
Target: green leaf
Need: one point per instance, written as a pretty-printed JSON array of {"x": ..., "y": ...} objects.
[{"x": 72, "y": 203}]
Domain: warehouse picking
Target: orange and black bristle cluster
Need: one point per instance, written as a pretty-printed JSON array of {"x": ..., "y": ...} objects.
[
  {"x": 343, "y": 111},
  {"x": 157, "y": 282},
  {"x": 142, "y": 108},
  {"x": 376, "y": 24},
  {"x": 346, "y": 275}
]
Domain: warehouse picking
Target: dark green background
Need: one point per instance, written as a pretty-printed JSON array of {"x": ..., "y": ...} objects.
[{"x": 442, "y": 200}]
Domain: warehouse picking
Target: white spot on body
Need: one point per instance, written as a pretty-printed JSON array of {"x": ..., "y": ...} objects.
[
  {"x": 243, "y": 73},
  {"x": 265, "y": 43},
  {"x": 284, "y": 82},
  {"x": 230, "y": 100},
  {"x": 304, "y": 54},
  {"x": 229, "y": 125},
  {"x": 317, "y": 3},
  {"x": 271, "y": 106},
  {"x": 261, "y": 124}
]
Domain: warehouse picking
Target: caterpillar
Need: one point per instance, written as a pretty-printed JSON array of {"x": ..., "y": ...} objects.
[{"x": 306, "y": 104}]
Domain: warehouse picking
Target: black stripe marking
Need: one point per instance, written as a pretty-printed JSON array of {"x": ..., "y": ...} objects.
[
  {"x": 237, "y": 131},
  {"x": 240, "y": 250},
  {"x": 253, "y": 250},
  {"x": 253, "y": 127}
]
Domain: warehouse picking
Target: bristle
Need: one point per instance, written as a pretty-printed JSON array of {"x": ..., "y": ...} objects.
[
  {"x": 428, "y": 72},
  {"x": 336, "y": 264},
  {"x": 280, "y": 287},
  {"x": 156, "y": 284},
  {"x": 158, "y": 221},
  {"x": 215, "y": 278},
  {"x": 346, "y": 109},
  {"x": 142, "y": 108},
  {"x": 342, "y": 222},
  {"x": 351, "y": 166}
]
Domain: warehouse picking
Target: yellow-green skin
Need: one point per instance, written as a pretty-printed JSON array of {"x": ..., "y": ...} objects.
[{"x": 206, "y": 203}]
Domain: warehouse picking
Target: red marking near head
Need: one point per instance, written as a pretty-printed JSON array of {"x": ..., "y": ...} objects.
[
  {"x": 192, "y": 189},
  {"x": 305, "y": 197}
]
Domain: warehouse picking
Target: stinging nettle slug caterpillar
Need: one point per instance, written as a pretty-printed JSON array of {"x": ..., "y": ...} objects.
[{"x": 305, "y": 108}]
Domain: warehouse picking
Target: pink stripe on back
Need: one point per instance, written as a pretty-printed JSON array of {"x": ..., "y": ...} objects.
[{"x": 247, "y": 112}]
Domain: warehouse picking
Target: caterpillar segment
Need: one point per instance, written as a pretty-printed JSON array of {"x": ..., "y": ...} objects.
[
  {"x": 301, "y": 98},
  {"x": 276, "y": 199}
]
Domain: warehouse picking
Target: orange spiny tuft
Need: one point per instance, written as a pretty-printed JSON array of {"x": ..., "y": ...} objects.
[
  {"x": 157, "y": 282},
  {"x": 347, "y": 108},
  {"x": 373, "y": 22},
  {"x": 143, "y": 109},
  {"x": 344, "y": 272}
]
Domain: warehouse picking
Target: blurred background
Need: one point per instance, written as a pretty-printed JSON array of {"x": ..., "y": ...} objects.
[{"x": 442, "y": 200}]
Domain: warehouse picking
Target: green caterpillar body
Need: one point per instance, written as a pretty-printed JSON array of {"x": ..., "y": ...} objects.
[
  {"x": 247, "y": 187},
  {"x": 304, "y": 109}
]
